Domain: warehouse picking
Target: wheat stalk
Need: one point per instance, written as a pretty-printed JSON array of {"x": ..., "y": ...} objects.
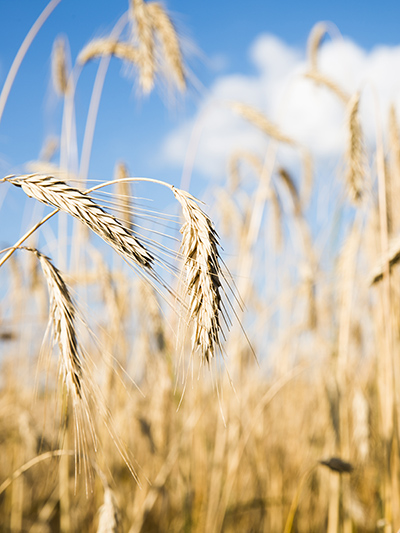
[
  {"x": 50, "y": 190},
  {"x": 124, "y": 194},
  {"x": 201, "y": 260},
  {"x": 391, "y": 257},
  {"x": 314, "y": 41}
]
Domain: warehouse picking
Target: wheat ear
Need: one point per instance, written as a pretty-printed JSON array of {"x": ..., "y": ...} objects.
[
  {"x": 321, "y": 79},
  {"x": 59, "y": 67},
  {"x": 74, "y": 378},
  {"x": 201, "y": 260},
  {"x": 355, "y": 152},
  {"x": 145, "y": 43},
  {"x": 260, "y": 121},
  {"x": 169, "y": 40},
  {"x": 101, "y": 47},
  {"x": 109, "y": 516},
  {"x": 62, "y": 316},
  {"x": 50, "y": 190}
]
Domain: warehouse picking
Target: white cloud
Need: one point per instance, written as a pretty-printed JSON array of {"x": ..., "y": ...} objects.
[{"x": 310, "y": 114}]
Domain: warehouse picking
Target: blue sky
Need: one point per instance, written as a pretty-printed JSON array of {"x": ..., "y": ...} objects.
[{"x": 236, "y": 51}]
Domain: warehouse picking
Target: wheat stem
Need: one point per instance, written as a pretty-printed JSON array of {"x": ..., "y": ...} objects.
[{"x": 22, "y": 51}]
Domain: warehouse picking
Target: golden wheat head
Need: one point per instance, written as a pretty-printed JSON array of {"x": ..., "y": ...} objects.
[
  {"x": 57, "y": 193},
  {"x": 203, "y": 272}
]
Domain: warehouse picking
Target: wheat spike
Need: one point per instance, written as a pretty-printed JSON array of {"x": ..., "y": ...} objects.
[
  {"x": 109, "y": 519},
  {"x": 201, "y": 258},
  {"x": 73, "y": 374},
  {"x": 59, "y": 67},
  {"x": 261, "y": 122},
  {"x": 355, "y": 153},
  {"x": 101, "y": 47},
  {"x": 169, "y": 39},
  {"x": 62, "y": 315},
  {"x": 145, "y": 42},
  {"x": 321, "y": 79},
  {"x": 50, "y": 190},
  {"x": 288, "y": 181}
]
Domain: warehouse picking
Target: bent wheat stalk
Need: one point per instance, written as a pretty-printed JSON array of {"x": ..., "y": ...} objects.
[{"x": 314, "y": 41}]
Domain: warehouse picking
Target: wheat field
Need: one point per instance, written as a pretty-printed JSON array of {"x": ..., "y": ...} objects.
[{"x": 180, "y": 366}]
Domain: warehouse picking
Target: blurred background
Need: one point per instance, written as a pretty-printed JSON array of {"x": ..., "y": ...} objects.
[{"x": 285, "y": 123}]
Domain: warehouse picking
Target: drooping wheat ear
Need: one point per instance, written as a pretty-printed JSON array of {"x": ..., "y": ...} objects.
[
  {"x": 50, "y": 190},
  {"x": 321, "y": 79},
  {"x": 101, "y": 47},
  {"x": 109, "y": 516},
  {"x": 124, "y": 195},
  {"x": 242, "y": 155},
  {"x": 169, "y": 40},
  {"x": 277, "y": 217},
  {"x": 288, "y": 181},
  {"x": 314, "y": 41},
  {"x": 62, "y": 316},
  {"x": 261, "y": 122},
  {"x": 355, "y": 156},
  {"x": 145, "y": 43},
  {"x": 201, "y": 260},
  {"x": 59, "y": 67}
]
